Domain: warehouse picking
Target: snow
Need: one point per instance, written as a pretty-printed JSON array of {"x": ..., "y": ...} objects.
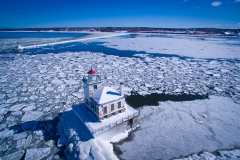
[
  {"x": 17, "y": 107},
  {"x": 2, "y": 126},
  {"x": 178, "y": 45},
  {"x": 95, "y": 126},
  {"x": 12, "y": 100},
  {"x": 50, "y": 143},
  {"x": 79, "y": 142},
  {"x": 175, "y": 129},
  {"x": 20, "y": 136},
  {"x": 29, "y": 108},
  {"x": 178, "y": 90},
  {"x": 6, "y": 133},
  {"x": 221, "y": 155},
  {"x": 31, "y": 116},
  {"x": 118, "y": 137},
  {"x": 28, "y": 141},
  {"x": 57, "y": 81},
  {"x": 71, "y": 81},
  {"x": 13, "y": 156},
  {"x": 232, "y": 154},
  {"x": 42, "y": 42},
  {"x": 3, "y": 111},
  {"x": 29, "y": 84},
  {"x": 20, "y": 143},
  {"x": 37, "y": 153},
  {"x": 106, "y": 94}
]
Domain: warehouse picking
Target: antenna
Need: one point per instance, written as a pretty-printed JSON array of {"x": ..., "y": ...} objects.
[{"x": 97, "y": 68}]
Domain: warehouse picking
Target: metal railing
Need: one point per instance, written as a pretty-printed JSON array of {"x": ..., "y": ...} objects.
[
  {"x": 113, "y": 124},
  {"x": 98, "y": 78},
  {"x": 107, "y": 126}
]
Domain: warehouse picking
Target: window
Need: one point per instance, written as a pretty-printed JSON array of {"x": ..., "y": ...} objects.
[
  {"x": 94, "y": 107},
  {"x": 105, "y": 110},
  {"x": 112, "y": 107},
  {"x": 119, "y": 104},
  {"x": 95, "y": 86}
]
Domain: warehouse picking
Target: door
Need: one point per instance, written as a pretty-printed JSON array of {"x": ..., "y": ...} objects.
[{"x": 130, "y": 123}]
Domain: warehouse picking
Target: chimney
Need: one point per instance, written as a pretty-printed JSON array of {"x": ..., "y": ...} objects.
[{"x": 122, "y": 88}]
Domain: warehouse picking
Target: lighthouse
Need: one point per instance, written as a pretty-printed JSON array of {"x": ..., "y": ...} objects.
[
  {"x": 103, "y": 101},
  {"x": 105, "y": 109},
  {"x": 91, "y": 84}
]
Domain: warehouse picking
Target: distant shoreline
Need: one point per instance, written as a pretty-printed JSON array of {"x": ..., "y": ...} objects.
[{"x": 88, "y": 36}]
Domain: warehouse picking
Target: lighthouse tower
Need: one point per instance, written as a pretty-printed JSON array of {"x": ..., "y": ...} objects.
[{"x": 91, "y": 84}]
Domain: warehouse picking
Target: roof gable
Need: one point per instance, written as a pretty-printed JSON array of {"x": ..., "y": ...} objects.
[{"x": 105, "y": 95}]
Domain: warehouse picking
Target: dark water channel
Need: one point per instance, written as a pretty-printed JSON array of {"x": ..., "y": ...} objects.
[
  {"x": 136, "y": 100},
  {"x": 82, "y": 47}
]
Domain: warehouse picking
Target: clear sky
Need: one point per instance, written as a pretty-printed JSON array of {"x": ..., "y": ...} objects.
[{"x": 120, "y": 13}]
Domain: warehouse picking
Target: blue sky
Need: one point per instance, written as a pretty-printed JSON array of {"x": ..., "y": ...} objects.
[{"x": 122, "y": 13}]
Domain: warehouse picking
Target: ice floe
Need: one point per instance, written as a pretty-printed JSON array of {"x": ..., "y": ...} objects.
[
  {"x": 175, "y": 129},
  {"x": 31, "y": 116},
  {"x": 221, "y": 155},
  {"x": 37, "y": 153},
  {"x": 34, "y": 89},
  {"x": 176, "y": 45},
  {"x": 13, "y": 156}
]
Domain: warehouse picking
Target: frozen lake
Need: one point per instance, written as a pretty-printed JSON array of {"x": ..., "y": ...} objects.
[
  {"x": 182, "y": 46},
  {"x": 174, "y": 129},
  {"x": 38, "y": 85}
]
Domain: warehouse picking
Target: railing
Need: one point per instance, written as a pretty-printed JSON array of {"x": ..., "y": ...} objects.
[
  {"x": 111, "y": 125},
  {"x": 105, "y": 127},
  {"x": 98, "y": 78}
]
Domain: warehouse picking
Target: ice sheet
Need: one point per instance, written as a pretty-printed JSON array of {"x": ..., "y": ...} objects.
[
  {"x": 172, "y": 129},
  {"x": 182, "y": 46}
]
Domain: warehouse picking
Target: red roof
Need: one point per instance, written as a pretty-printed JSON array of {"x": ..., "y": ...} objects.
[{"x": 91, "y": 71}]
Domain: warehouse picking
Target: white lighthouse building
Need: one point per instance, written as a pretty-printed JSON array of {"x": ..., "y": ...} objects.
[
  {"x": 104, "y": 111},
  {"x": 102, "y": 100}
]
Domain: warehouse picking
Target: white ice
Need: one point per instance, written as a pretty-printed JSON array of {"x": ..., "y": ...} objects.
[
  {"x": 79, "y": 142},
  {"x": 172, "y": 129},
  {"x": 31, "y": 115},
  {"x": 37, "y": 153},
  {"x": 27, "y": 86},
  {"x": 95, "y": 126},
  {"x": 182, "y": 46}
]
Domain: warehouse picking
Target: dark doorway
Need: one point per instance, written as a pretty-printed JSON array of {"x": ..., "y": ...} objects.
[{"x": 130, "y": 123}]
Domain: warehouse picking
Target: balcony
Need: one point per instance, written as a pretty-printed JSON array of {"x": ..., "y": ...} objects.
[{"x": 86, "y": 80}]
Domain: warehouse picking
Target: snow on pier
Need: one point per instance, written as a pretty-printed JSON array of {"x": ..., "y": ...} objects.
[{"x": 95, "y": 127}]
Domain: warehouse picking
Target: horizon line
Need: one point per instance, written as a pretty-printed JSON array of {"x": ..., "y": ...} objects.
[{"x": 117, "y": 27}]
